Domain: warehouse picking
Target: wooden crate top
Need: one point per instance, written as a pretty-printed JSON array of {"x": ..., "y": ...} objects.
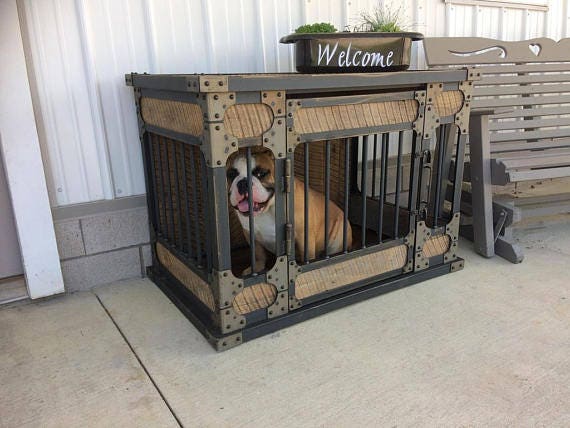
[{"x": 293, "y": 82}]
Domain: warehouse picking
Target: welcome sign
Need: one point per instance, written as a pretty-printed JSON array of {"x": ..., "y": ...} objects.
[
  {"x": 352, "y": 52},
  {"x": 328, "y": 56}
]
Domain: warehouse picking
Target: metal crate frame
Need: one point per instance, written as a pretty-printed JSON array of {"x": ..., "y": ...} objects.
[{"x": 196, "y": 114}]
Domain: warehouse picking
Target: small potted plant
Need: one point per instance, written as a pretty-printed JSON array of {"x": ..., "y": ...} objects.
[{"x": 376, "y": 44}]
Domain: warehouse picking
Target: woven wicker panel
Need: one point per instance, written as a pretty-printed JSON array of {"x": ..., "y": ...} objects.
[
  {"x": 248, "y": 120},
  {"x": 257, "y": 296},
  {"x": 436, "y": 245},
  {"x": 317, "y": 167},
  {"x": 189, "y": 279},
  {"x": 176, "y": 116},
  {"x": 347, "y": 272},
  {"x": 448, "y": 103},
  {"x": 310, "y": 120}
]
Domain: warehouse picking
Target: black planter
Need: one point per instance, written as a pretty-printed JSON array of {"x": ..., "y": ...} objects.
[{"x": 352, "y": 52}]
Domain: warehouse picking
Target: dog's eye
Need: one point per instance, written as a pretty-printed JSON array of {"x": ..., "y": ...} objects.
[
  {"x": 232, "y": 174},
  {"x": 260, "y": 172}
]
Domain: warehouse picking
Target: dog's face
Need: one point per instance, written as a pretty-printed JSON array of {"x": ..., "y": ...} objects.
[{"x": 262, "y": 182}]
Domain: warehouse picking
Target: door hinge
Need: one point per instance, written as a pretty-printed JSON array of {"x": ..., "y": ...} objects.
[{"x": 287, "y": 175}]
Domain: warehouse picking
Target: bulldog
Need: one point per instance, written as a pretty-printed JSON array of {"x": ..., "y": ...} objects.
[{"x": 263, "y": 191}]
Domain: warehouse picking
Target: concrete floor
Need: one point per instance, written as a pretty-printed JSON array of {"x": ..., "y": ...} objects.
[{"x": 487, "y": 346}]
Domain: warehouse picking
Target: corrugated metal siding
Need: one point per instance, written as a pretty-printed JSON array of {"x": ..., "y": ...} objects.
[{"x": 80, "y": 50}]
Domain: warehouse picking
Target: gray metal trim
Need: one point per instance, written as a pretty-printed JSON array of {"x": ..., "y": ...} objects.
[
  {"x": 161, "y": 94},
  {"x": 218, "y": 210},
  {"x": 351, "y": 255},
  {"x": 297, "y": 82},
  {"x": 168, "y": 82},
  {"x": 353, "y": 99}
]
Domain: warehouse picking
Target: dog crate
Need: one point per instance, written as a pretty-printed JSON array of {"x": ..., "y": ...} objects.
[{"x": 374, "y": 161}]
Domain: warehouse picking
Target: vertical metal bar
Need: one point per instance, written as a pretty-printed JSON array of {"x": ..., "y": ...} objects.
[
  {"x": 152, "y": 186},
  {"x": 414, "y": 176},
  {"x": 346, "y": 194},
  {"x": 354, "y": 166},
  {"x": 383, "y": 183},
  {"x": 327, "y": 193},
  {"x": 162, "y": 229},
  {"x": 197, "y": 239},
  {"x": 207, "y": 230},
  {"x": 364, "y": 186},
  {"x": 280, "y": 209},
  {"x": 458, "y": 181},
  {"x": 374, "y": 154},
  {"x": 216, "y": 217},
  {"x": 178, "y": 230},
  {"x": 306, "y": 204},
  {"x": 170, "y": 219},
  {"x": 250, "y": 207},
  {"x": 440, "y": 156},
  {"x": 398, "y": 185},
  {"x": 186, "y": 201}
]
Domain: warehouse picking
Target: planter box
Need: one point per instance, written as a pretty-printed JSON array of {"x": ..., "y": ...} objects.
[
  {"x": 378, "y": 146},
  {"x": 358, "y": 52}
]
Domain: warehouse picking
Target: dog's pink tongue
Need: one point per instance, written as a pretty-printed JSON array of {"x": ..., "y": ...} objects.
[{"x": 243, "y": 205}]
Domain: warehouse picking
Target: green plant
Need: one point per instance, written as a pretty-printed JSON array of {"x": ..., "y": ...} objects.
[
  {"x": 382, "y": 19},
  {"x": 322, "y": 27}
]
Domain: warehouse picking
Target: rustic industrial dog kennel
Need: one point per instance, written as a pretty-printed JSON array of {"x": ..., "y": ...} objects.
[{"x": 387, "y": 149}]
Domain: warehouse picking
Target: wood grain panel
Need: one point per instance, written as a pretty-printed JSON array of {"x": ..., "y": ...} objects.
[
  {"x": 257, "y": 296},
  {"x": 448, "y": 103},
  {"x": 198, "y": 287},
  {"x": 248, "y": 120},
  {"x": 176, "y": 116},
  {"x": 436, "y": 245},
  {"x": 309, "y": 120},
  {"x": 344, "y": 273}
]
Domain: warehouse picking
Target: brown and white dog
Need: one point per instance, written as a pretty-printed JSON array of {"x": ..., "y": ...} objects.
[{"x": 263, "y": 188}]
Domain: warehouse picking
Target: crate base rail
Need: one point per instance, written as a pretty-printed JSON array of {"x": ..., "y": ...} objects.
[{"x": 176, "y": 293}]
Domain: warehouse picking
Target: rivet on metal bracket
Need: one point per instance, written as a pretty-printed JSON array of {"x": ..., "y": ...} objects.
[{"x": 227, "y": 342}]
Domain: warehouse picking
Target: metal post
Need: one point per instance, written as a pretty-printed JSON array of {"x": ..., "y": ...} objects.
[
  {"x": 306, "y": 203},
  {"x": 398, "y": 186},
  {"x": 383, "y": 183},
  {"x": 327, "y": 193},
  {"x": 250, "y": 207},
  {"x": 363, "y": 186},
  {"x": 346, "y": 194}
]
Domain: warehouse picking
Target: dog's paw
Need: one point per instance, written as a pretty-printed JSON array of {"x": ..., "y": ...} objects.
[{"x": 246, "y": 272}]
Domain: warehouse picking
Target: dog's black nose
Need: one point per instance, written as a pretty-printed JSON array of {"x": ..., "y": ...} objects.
[{"x": 242, "y": 186}]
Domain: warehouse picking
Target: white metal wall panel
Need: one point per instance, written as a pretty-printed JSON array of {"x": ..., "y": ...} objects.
[
  {"x": 80, "y": 50},
  {"x": 75, "y": 162}
]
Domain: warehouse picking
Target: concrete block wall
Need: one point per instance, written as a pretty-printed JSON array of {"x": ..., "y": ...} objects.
[{"x": 100, "y": 247}]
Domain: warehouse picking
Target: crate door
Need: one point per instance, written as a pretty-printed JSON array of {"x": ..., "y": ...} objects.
[{"x": 349, "y": 203}]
